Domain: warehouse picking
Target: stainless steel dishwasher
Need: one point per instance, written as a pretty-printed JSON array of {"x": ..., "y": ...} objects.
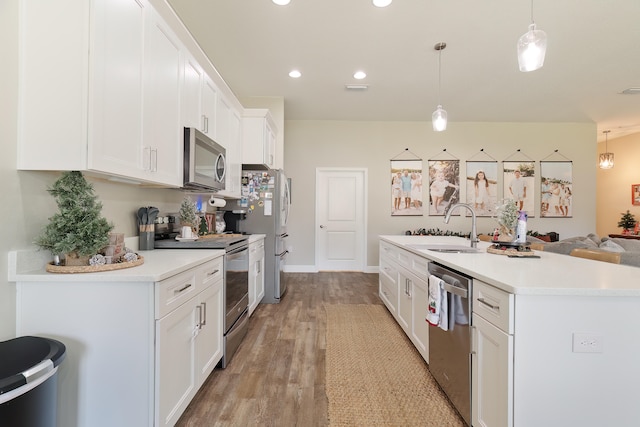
[{"x": 450, "y": 350}]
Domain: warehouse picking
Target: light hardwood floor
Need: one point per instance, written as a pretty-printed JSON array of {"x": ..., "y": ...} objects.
[{"x": 277, "y": 377}]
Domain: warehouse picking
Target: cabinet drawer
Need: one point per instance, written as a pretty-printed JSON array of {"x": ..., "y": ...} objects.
[
  {"x": 211, "y": 271},
  {"x": 494, "y": 305},
  {"x": 389, "y": 251},
  {"x": 174, "y": 291},
  {"x": 389, "y": 290},
  {"x": 420, "y": 266}
]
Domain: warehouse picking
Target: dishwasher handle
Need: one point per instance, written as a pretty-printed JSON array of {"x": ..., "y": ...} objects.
[{"x": 455, "y": 290}]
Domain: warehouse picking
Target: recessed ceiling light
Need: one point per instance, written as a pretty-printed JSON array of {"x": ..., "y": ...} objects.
[
  {"x": 295, "y": 74},
  {"x": 281, "y": 2},
  {"x": 359, "y": 75},
  {"x": 382, "y": 3}
]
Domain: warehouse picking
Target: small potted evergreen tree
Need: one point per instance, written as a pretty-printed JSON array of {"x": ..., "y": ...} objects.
[
  {"x": 627, "y": 222},
  {"x": 77, "y": 231},
  {"x": 188, "y": 218}
]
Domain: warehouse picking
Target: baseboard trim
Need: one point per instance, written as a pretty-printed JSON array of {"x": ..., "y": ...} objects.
[{"x": 314, "y": 269}]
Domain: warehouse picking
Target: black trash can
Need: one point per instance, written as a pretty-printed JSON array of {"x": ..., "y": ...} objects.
[{"x": 28, "y": 381}]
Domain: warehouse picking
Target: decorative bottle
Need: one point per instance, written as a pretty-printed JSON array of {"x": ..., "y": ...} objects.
[{"x": 521, "y": 228}]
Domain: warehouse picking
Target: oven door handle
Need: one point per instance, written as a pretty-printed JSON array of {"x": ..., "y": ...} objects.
[{"x": 455, "y": 290}]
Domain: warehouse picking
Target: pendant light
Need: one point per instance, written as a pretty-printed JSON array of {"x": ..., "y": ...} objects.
[
  {"x": 439, "y": 117},
  {"x": 606, "y": 158},
  {"x": 532, "y": 47}
]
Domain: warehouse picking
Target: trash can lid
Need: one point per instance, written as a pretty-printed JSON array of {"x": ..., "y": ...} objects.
[{"x": 20, "y": 354}]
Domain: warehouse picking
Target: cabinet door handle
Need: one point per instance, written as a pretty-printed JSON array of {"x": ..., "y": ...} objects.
[
  {"x": 199, "y": 324},
  {"x": 488, "y": 304},
  {"x": 259, "y": 267},
  {"x": 213, "y": 272},
  {"x": 184, "y": 288},
  {"x": 203, "y": 321},
  {"x": 147, "y": 166},
  {"x": 472, "y": 344},
  {"x": 154, "y": 160}
]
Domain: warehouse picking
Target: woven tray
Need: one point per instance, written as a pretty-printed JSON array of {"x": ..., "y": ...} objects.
[
  {"x": 512, "y": 252},
  {"x": 72, "y": 269}
]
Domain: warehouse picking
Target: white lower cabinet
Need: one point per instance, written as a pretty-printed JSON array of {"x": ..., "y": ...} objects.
[
  {"x": 492, "y": 357},
  {"x": 136, "y": 351},
  {"x": 188, "y": 347},
  {"x": 256, "y": 274},
  {"x": 404, "y": 290},
  {"x": 419, "y": 325},
  {"x": 388, "y": 283}
]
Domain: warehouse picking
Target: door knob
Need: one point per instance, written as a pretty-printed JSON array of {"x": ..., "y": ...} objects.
[{"x": 322, "y": 226}]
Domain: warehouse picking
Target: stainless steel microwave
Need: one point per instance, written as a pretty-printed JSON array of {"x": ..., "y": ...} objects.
[{"x": 205, "y": 165}]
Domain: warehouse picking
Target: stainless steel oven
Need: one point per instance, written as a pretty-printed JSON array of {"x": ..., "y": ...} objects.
[{"x": 236, "y": 319}]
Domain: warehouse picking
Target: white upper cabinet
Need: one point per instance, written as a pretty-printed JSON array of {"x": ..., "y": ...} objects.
[
  {"x": 162, "y": 131},
  {"x": 259, "y": 137},
  {"x": 87, "y": 69},
  {"x": 115, "y": 95},
  {"x": 223, "y": 118},
  {"x": 192, "y": 94},
  {"x": 107, "y": 86},
  {"x": 209, "y": 104},
  {"x": 234, "y": 156}
]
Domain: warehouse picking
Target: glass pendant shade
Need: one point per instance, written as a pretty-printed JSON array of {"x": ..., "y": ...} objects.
[
  {"x": 605, "y": 160},
  {"x": 439, "y": 119},
  {"x": 532, "y": 47}
]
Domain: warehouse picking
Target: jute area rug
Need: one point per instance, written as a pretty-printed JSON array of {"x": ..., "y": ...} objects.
[{"x": 374, "y": 375}]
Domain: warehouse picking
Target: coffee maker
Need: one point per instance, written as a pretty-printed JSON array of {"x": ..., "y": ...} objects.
[{"x": 234, "y": 219}]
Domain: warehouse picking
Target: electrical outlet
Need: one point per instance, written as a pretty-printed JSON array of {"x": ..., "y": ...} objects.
[{"x": 587, "y": 343}]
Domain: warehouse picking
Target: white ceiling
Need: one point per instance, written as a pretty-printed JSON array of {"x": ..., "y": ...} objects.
[{"x": 593, "y": 54}]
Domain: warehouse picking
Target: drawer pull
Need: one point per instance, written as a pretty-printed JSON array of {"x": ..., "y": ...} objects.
[
  {"x": 494, "y": 307},
  {"x": 184, "y": 288},
  {"x": 213, "y": 272}
]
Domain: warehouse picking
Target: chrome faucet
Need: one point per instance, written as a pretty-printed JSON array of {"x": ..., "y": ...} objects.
[{"x": 474, "y": 233}]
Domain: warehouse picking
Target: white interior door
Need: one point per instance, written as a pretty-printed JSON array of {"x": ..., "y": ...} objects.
[{"x": 341, "y": 219}]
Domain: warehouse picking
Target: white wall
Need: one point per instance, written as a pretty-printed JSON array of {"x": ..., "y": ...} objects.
[
  {"x": 613, "y": 190},
  {"x": 312, "y": 144}
]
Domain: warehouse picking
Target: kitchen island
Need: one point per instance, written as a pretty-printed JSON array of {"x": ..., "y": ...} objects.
[
  {"x": 558, "y": 348},
  {"x": 140, "y": 341}
]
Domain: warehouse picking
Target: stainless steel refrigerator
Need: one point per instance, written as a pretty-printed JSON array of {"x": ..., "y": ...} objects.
[{"x": 266, "y": 198}]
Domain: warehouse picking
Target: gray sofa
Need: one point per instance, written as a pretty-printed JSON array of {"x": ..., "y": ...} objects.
[{"x": 628, "y": 249}]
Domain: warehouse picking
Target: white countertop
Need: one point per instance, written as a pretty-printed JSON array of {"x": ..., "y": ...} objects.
[
  {"x": 551, "y": 274},
  {"x": 159, "y": 264}
]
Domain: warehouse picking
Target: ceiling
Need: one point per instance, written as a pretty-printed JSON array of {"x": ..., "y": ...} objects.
[{"x": 593, "y": 54}]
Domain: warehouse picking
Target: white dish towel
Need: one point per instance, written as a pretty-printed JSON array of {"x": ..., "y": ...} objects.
[{"x": 438, "y": 314}]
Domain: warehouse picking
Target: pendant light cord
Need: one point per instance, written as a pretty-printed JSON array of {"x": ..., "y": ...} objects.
[{"x": 439, "y": 75}]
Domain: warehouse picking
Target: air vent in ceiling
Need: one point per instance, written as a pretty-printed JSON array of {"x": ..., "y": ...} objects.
[{"x": 356, "y": 87}]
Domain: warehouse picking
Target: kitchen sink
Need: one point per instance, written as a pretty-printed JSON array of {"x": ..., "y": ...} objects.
[{"x": 452, "y": 249}]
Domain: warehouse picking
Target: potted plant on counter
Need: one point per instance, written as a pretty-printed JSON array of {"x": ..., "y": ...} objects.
[
  {"x": 627, "y": 222},
  {"x": 78, "y": 230},
  {"x": 188, "y": 218}
]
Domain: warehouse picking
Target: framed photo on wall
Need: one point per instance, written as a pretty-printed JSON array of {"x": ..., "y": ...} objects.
[
  {"x": 406, "y": 188},
  {"x": 482, "y": 186},
  {"x": 519, "y": 179},
  {"x": 635, "y": 194},
  {"x": 556, "y": 189},
  {"x": 444, "y": 185}
]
